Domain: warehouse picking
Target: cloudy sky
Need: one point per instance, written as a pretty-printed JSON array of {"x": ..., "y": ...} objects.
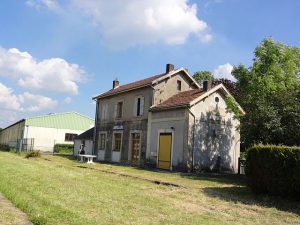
[{"x": 55, "y": 55}]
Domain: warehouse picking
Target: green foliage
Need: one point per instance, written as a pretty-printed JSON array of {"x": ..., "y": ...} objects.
[
  {"x": 270, "y": 95},
  {"x": 33, "y": 154},
  {"x": 5, "y": 148},
  {"x": 232, "y": 106},
  {"x": 63, "y": 148},
  {"x": 201, "y": 76},
  {"x": 274, "y": 170}
]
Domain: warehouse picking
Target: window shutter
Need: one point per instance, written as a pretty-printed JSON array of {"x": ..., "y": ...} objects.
[
  {"x": 135, "y": 106},
  {"x": 116, "y": 106},
  {"x": 106, "y": 112},
  {"x": 142, "y": 106}
]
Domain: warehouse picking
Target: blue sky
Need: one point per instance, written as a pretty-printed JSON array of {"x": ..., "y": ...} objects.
[{"x": 56, "y": 55}]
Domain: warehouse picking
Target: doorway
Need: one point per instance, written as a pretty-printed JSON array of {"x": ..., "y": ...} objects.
[{"x": 164, "y": 154}]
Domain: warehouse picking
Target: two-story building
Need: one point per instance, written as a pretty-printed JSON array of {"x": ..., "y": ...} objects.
[{"x": 168, "y": 121}]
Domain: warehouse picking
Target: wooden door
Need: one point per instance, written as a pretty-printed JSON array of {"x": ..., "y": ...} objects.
[
  {"x": 135, "y": 148},
  {"x": 165, "y": 147}
]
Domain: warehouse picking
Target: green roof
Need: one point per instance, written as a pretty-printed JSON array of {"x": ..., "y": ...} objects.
[{"x": 68, "y": 120}]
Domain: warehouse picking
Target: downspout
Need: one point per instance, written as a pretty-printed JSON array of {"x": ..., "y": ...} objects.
[
  {"x": 95, "y": 128},
  {"x": 193, "y": 138}
]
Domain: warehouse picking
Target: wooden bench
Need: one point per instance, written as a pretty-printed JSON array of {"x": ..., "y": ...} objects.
[{"x": 88, "y": 157}]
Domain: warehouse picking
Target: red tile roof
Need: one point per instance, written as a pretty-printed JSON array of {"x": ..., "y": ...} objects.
[
  {"x": 133, "y": 85},
  {"x": 180, "y": 99}
]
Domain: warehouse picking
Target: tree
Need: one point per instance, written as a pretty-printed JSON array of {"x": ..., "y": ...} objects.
[
  {"x": 270, "y": 95},
  {"x": 201, "y": 76}
]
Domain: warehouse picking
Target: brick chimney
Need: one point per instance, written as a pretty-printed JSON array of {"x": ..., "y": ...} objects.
[
  {"x": 207, "y": 84},
  {"x": 115, "y": 83},
  {"x": 169, "y": 68}
]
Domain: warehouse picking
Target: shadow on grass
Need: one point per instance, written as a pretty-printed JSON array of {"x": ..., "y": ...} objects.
[
  {"x": 232, "y": 179},
  {"x": 243, "y": 194}
]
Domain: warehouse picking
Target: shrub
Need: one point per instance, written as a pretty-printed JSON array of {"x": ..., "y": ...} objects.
[
  {"x": 32, "y": 154},
  {"x": 5, "y": 148},
  {"x": 63, "y": 148},
  {"x": 274, "y": 170}
]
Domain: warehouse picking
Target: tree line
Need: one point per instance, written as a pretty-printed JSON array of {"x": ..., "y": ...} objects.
[{"x": 269, "y": 92}]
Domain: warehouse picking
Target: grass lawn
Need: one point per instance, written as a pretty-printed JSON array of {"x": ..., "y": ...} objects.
[{"x": 57, "y": 190}]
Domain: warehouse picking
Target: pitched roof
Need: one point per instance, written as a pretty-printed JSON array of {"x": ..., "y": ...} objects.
[
  {"x": 181, "y": 99},
  {"x": 67, "y": 120},
  {"x": 133, "y": 85},
  {"x": 87, "y": 135}
]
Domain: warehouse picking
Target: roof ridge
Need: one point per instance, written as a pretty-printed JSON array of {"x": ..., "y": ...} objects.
[{"x": 59, "y": 113}]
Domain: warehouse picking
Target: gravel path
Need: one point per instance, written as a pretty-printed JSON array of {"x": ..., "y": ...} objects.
[{"x": 10, "y": 215}]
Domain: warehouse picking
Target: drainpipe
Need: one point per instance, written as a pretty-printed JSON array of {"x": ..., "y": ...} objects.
[
  {"x": 193, "y": 138},
  {"x": 95, "y": 128}
]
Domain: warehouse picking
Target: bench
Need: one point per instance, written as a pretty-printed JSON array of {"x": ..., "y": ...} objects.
[{"x": 88, "y": 157}]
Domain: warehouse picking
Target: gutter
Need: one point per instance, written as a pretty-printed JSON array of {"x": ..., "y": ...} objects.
[
  {"x": 95, "y": 128},
  {"x": 193, "y": 138}
]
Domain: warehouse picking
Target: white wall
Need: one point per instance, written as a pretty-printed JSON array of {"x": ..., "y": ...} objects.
[
  {"x": 88, "y": 146},
  {"x": 216, "y": 134},
  {"x": 46, "y": 138}
]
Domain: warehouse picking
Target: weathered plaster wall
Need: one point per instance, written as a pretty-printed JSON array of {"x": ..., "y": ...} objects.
[
  {"x": 174, "y": 121},
  {"x": 10, "y": 135},
  {"x": 217, "y": 140},
  {"x": 167, "y": 88}
]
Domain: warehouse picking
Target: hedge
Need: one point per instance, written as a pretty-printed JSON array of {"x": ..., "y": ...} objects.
[
  {"x": 63, "y": 148},
  {"x": 274, "y": 170}
]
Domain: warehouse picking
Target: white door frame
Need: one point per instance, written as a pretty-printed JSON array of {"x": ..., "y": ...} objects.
[
  {"x": 113, "y": 143},
  {"x": 130, "y": 144},
  {"x": 106, "y": 139}
]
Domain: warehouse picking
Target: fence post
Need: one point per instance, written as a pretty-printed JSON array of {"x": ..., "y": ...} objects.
[{"x": 239, "y": 165}]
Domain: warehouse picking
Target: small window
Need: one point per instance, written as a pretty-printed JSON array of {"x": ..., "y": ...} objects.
[
  {"x": 179, "y": 85},
  {"x": 217, "y": 99},
  {"x": 117, "y": 142},
  {"x": 119, "y": 110},
  {"x": 102, "y": 141},
  {"x": 139, "y": 106},
  {"x": 70, "y": 137}
]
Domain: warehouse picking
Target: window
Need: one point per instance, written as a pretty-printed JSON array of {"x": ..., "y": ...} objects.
[
  {"x": 179, "y": 85},
  {"x": 70, "y": 137},
  {"x": 117, "y": 142},
  {"x": 102, "y": 141},
  {"x": 104, "y": 114},
  {"x": 119, "y": 110},
  {"x": 139, "y": 106}
]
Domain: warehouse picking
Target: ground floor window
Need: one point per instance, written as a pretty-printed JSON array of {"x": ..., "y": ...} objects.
[
  {"x": 70, "y": 137},
  {"x": 102, "y": 141},
  {"x": 117, "y": 142}
]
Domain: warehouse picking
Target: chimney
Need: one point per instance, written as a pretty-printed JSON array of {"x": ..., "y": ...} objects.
[
  {"x": 169, "y": 68},
  {"x": 207, "y": 85},
  {"x": 115, "y": 83}
]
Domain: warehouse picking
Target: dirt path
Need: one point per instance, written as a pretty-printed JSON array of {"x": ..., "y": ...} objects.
[{"x": 10, "y": 215}]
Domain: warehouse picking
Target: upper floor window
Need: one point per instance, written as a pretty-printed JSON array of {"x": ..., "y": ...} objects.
[
  {"x": 139, "y": 106},
  {"x": 104, "y": 112},
  {"x": 179, "y": 85},
  {"x": 70, "y": 137},
  {"x": 119, "y": 110}
]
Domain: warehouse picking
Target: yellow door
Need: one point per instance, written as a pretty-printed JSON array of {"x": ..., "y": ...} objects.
[{"x": 164, "y": 155}]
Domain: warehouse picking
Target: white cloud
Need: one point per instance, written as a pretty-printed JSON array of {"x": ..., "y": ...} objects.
[
  {"x": 142, "y": 22},
  {"x": 224, "y": 71},
  {"x": 129, "y": 23},
  {"x": 54, "y": 74},
  {"x": 25, "y": 102},
  {"x": 38, "y": 4},
  {"x": 67, "y": 100}
]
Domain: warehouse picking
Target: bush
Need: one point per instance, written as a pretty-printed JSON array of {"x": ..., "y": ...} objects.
[
  {"x": 5, "y": 148},
  {"x": 32, "y": 154},
  {"x": 63, "y": 148},
  {"x": 274, "y": 170}
]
